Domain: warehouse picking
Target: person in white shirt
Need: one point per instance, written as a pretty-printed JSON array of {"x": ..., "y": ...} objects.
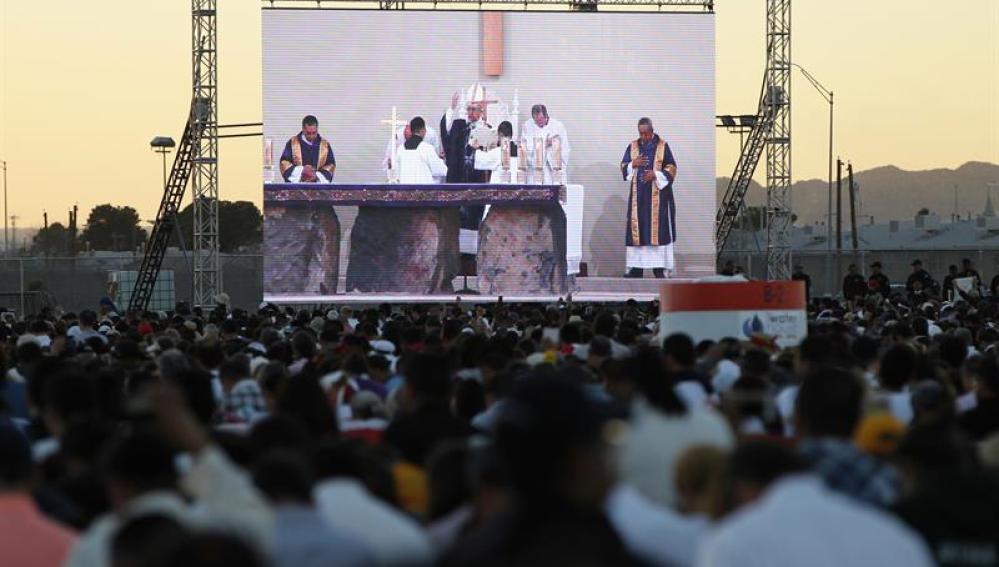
[
  {"x": 662, "y": 429},
  {"x": 344, "y": 503},
  {"x": 143, "y": 480},
  {"x": 301, "y": 537},
  {"x": 657, "y": 534},
  {"x": 542, "y": 127},
  {"x": 788, "y": 518},
  {"x": 417, "y": 160}
]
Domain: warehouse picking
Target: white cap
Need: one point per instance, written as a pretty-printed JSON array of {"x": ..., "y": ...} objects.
[{"x": 383, "y": 346}]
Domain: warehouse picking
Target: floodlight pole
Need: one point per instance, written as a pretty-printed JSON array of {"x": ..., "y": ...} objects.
[
  {"x": 828, "y": 96},
  {"x": 163, "y": 151}
]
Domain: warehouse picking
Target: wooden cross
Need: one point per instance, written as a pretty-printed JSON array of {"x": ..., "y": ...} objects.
[{"x": 492, "y": 43}]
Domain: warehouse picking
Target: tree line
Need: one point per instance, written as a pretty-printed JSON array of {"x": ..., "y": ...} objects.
[{"x": 118, "y": 229}]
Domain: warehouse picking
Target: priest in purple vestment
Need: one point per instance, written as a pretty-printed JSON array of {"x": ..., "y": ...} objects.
[
  {"x": 649, "y": 168},
  {"x": 308, "y": 157}
]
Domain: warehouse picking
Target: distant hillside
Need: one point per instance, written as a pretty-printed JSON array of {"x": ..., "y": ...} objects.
[{"x": 890, "y": 193}]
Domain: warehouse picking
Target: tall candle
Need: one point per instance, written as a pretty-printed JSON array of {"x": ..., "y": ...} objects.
[{"x": 556, "y": 152}]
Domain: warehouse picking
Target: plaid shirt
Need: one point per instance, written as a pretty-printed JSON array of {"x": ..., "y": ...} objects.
[
  {"x": 848, "y": 471},
  {"x": 244, "y": 402}
]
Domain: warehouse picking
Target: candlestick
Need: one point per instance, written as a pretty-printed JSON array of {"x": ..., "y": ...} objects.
[{"x": 539, "y": 161}]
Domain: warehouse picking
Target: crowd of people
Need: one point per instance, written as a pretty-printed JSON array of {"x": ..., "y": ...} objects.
[
  {"x": 458, "y": 434},
  {"x": 919, "y": 285}
]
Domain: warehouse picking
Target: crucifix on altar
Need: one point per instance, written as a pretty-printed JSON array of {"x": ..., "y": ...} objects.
[{"x": 393, "y": 124}]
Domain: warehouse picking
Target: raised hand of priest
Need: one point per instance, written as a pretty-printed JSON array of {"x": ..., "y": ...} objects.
[
  {"x": 454, "y": 100},
  {"x": 639, "y": 161}
]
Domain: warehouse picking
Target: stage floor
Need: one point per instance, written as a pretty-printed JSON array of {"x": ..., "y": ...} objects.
[{"x": 591, "y": 289}]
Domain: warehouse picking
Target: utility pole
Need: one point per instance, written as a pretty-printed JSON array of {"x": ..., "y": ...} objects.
[
  {"x": 839, "y": 205},
  {"x": 954, "y": 217},
  {"x": 853, "y": 208},
  {"x": 72, "y": 231},
  {"x": 13, "y": 228},
  {"x": 831, "y": 107},
  {"x": 6, "y": 241}
]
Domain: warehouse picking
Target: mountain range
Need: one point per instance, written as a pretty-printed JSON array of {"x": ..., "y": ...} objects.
[{"x": 891, "y": 193}]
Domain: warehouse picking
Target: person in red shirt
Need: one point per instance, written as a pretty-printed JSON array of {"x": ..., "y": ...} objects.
[{"x": 28, "y": 538}]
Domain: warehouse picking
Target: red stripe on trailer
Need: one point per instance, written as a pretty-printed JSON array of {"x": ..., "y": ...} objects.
[{"x": 734, "y": 296}]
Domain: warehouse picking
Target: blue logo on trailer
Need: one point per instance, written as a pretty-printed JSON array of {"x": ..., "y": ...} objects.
[{"x": 752, "y": 326}]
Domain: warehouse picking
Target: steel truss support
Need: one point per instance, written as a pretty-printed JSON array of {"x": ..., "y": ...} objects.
[
  {"x": 674, "y": 5},
  {"x": 204, "y": 176},
  {"x": 777, "y": 101},
  {"x": 771, "y": 134}
]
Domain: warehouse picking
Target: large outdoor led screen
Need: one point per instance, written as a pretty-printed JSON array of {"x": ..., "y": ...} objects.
[{"x": 530, "y": 121}]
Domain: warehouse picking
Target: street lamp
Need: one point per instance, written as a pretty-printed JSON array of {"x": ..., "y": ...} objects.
[
  {"x": 828, "y": 96},
  {"x": 163, "y": 145}
]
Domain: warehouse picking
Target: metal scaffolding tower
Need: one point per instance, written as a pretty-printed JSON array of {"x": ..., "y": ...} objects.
[
  {"x": 777, "y": 99},
  {"x": 197, "y": 160},
  {"x": 771, "y": 133},
  {"x": 735, "y": 195},
  {"x": 166, "y": 216},
  {"x": 204, "y": 176}
]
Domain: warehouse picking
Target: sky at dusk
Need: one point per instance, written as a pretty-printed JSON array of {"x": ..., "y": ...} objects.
[{"x": 85, "y": 86}]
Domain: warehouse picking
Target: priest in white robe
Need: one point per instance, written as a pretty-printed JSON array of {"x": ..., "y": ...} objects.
[
  {"x": 492, "y": 159},
  {"x": 417, "y": 160},
  {"x": 403, "y": 134},
  {"x": 542, "y": 127}
]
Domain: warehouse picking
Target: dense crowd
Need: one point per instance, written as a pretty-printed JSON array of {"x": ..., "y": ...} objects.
[{"x": 458, "y": 434}]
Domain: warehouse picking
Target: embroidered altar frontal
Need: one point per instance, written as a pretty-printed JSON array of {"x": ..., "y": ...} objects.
[
  {"x": 405, "y": 239},
  {"x": 396, "y": 195}
]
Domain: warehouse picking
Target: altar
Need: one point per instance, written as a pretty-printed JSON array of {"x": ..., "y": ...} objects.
[{"x": 405, "y": 239}]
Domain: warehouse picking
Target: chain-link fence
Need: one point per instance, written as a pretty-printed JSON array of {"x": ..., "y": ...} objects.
[
  {"x": 827, "y": 268},
  {"x": 29, "y": 283}
]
